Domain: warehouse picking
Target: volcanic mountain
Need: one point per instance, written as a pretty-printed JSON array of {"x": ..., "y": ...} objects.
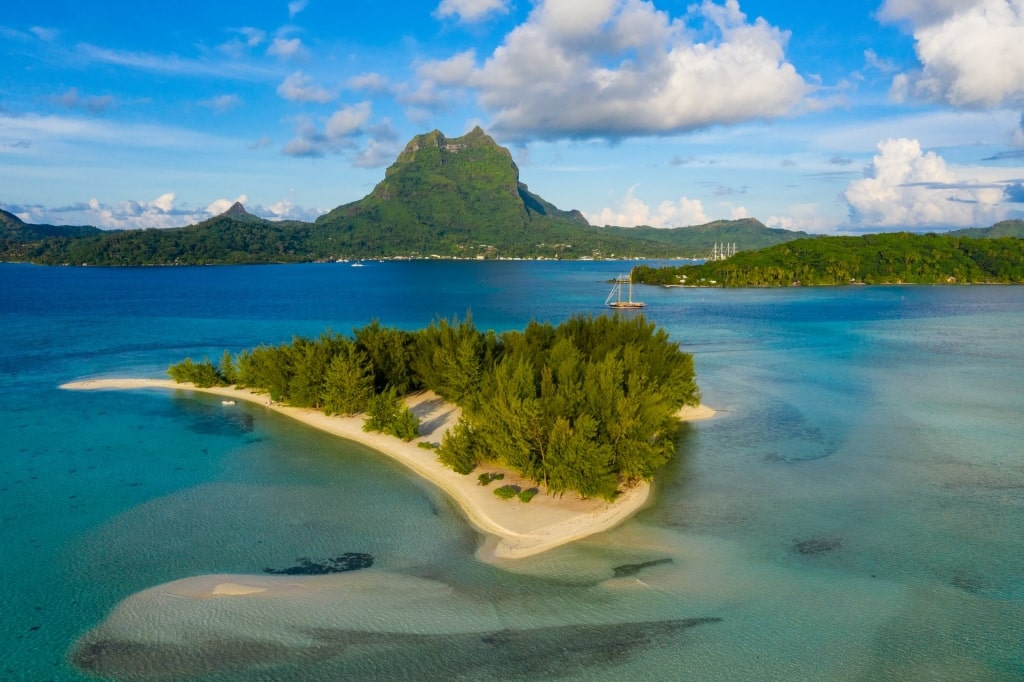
[{"x": 450, "y": 197}]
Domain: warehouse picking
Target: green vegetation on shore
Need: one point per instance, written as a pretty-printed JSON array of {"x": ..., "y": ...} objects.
[
  {"x": 585, "y": 406},
  {"x": 892, "y": 258}
]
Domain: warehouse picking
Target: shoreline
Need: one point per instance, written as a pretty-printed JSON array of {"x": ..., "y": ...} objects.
[{"x": 513, "y": 529}]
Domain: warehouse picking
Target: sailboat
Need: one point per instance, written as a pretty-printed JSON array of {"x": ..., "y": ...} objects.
[{"x": 614, "y": 299}]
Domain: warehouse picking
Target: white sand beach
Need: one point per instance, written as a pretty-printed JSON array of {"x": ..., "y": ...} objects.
[{"x": 515, "y": 529}]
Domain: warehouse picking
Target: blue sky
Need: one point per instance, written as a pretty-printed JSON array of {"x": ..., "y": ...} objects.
[{"x": 827, "y": 117}]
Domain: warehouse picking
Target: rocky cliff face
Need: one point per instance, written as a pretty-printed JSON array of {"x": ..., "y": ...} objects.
[
  {"x": 422, "y": 147},
  {"x": 473, "y": 158}
]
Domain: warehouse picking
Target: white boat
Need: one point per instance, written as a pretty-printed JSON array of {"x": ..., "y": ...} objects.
[
  {"x": 614, "y": 299},
  {"x": 227, "y": 402}
]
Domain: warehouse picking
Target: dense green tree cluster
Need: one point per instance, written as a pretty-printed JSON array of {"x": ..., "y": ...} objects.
[
  {"x": 386, "y": 413},
  {"x": 451, "y": 357},
  {"x": 891, "y": 258},
  {"x": 202, "y": 374},
  {"x": 582, "y": 406},
  {"x": 333, "y": 373}
]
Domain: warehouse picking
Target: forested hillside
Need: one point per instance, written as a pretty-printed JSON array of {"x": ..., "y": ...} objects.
[
  {"x": 447, "y": 197},
  {"x": 17, "y": 236},
  {"x": 1005, "y": 228},
  {"x": 224, "y": 239},
  {"x": 871, "y": 259},
  {"x": 747, "y": 234}
]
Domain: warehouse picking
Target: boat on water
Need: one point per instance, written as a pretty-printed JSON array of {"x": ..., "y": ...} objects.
[{"x": 614, "y": 299}]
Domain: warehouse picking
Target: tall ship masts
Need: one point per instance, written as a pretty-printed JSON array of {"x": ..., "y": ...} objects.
[{"x": 614, "y": 299}]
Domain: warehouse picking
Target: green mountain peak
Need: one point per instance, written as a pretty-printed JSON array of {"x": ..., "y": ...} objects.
[
  {"x": 474, "y": 157},
  {"x": 422, "y": 147},
  {"x": 9, "y": 220},
  {"x": 451, "y": 196},
  {"x": 455, "y": 197}
]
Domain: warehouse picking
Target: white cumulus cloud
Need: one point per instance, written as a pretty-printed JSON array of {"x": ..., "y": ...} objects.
[
  {"x": 613, "y": 68},
  {"x": 370, "y": 81},
  {"x": 971, "y": 51},
  {"x": 162, "y": 212},
  {"x": 220, "y": 205},
  {"x": 286, "y": 210},
  {"x": 126, "y": 215},
  {"x": 348, "y": 120},
  {"x": 906, "y": 187},
  {"x": 633, "y": 211},
  {"x": 285, "y": 48},
  {"x": 922, "y": 12},
  {"x": 347, "y": 130},
  {"x": 253, "y": 36},
  {"x": 804, "y": 217},
  {"x": 164, "y": 202},
  {"x": 471, "y": 11},
  {"x": 299, "y": 87}
]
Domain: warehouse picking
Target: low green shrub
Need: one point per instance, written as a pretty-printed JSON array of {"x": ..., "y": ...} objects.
[
  {"x": 507, "y": 492},
  {"x": 528, "y": 494}
]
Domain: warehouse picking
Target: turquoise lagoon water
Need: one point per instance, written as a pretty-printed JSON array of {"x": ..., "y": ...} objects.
[{"x": 856, "y": 510}]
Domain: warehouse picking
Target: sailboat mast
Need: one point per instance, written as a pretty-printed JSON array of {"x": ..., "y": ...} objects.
[{"x": 614, "y": 299}]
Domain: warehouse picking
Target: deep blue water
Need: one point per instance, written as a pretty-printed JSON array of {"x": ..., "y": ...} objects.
[{"x": 854, "y": 512}]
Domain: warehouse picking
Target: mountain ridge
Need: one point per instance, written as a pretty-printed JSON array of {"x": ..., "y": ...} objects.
[
  {"x": 17, "y": 229},
  {"x": 442, "y": 197},
  {"x": 1004, "y": 228}
]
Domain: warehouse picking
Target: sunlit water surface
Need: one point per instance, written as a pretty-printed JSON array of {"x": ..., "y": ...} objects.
[{"x": 855, "y": 511}]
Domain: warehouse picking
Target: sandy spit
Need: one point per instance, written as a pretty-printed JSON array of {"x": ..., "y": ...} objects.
[{"x": 515, "y": 529}]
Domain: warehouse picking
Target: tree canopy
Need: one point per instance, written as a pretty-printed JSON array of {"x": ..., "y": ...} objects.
[
  {"x": 892, "y": 258},
  {"x": 584, "y": 406}
]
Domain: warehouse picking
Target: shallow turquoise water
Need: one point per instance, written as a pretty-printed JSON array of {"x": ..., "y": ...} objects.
[{"x": 855, "y": 511}]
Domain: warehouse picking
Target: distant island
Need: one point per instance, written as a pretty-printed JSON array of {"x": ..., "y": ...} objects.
[
  {"x": 442, "y": 197},
  {"x": 587, "y": 410},
  {"x": 979, "y": 256}
]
